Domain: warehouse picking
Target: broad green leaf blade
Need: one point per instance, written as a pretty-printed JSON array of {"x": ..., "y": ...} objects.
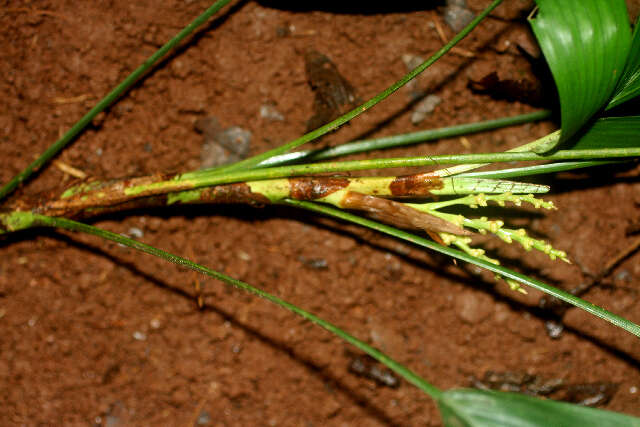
[
  {"x": 629, "y": 84},
  {"x": 611, "y": 132},
  {"x": 585, "y": 43},
  {"x": 467, "y": 407}
]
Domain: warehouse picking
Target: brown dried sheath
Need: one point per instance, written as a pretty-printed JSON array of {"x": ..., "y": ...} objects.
[
  {"x": 398, "y": 214},
  {"x": 415, "y": 185},
  {"x": 311, "y": 188},
  {"x": 110, "y": 197}
]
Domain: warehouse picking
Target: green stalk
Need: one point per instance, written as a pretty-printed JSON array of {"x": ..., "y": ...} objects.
[
  {"x": 403, "y": 139},
  {"x": 253, "y": 161},
  {"x": 24, "y": 220},
  {"x": 504, "y": 272},
  {"x": 531, "y": 146},
  {"x": 536, "y": 170},
  {"x": 109, "y": 99},
  {"x": 196, "y": 179}
]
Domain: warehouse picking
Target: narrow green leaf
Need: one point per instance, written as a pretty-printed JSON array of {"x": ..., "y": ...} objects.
[
  {"x": 458, "y": 407},
  {"x": 629, "y": 84},
  {"x": 467, "y": 407},
  {"x": 593, "y": 309},
  {"x": 399, "y": 140},
  {"x": 109, "y": 99},
  {"x": 586, "y": 43},
  {"x": 14, "y": 221},
  {"x": 255, "y": 160},
  {"x": 536, "y": 170},
  {"x": 606, "y": 133},
  {"x": 196, "y": 180}
]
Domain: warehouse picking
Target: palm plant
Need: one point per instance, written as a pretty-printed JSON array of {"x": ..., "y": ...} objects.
[{"x": 591, "y": 40}]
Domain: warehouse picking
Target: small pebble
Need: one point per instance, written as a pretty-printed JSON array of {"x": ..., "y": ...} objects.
[
  {"x": 235, "y": 139},
  {"x": 368, "y": 367},
  {"x": 120, "y": 244},
  {"x": 213, "y": 155},
  {"x": 269, "y": 112},
  {"x": 112, "y": 421},
  {"x": 244, "y": 256},
  {"x": 135, "y": 232},
  {"x": 413, "y": 86},
  {"x": 473, "y": 307},
  {"x": 457, "y": 15},
  {"x": 554, "y": 329},
  {"x": 139, "y": 336},
  {"x": 424, "y": 108},
  {"x": 204, "y": 418},
  {"x": 314, "y": 263},
  {"x": 155, "y": 323},
  {"x": 221, "y": 147},
  {"x": 345, "y": 244},
  {"x": 318, "y": 263},
  {"x": 411, "y": 61},
  {"x": 623, "y": 275},
  {"x": 283, "y": 31}
]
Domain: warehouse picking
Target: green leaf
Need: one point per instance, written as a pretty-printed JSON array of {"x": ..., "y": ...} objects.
[
  {"x": 611, "y": 132},
  {"x": 109, "y": 99},
  {"x": 467, "y": 407},
  {"x": 251, "y": 162},
  {"x": 458, "y": 407},
  {"x": 14, "y": 221},
  {"x": 629, "y": 84},
  {"x": 586, "y": 43},
  {"x": 445, "y": 250},
  {"x": 392, "y": 141},
  {"x": 537, "y": 169}
]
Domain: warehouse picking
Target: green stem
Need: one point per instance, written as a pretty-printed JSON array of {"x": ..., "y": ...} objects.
[
  {"x": 504, "y": 272},
  {"x": 108, "y": 100},
  {"x": 28, "y": 220},
  {"x": 253, "y": 161},
  {"x": 197, "y": 179},
  {"x": 403, "y": 139},
  {"x": 531, "y": 146},
  {"x": 537, "y": 169}
]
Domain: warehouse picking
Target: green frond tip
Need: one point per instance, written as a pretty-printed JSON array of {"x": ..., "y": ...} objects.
[{"x": 629, "y": 85}]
